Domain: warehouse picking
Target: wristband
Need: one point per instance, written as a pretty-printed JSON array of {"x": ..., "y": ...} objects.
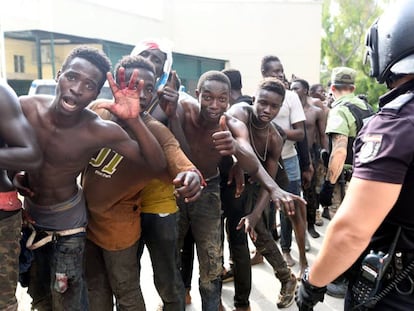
[
  {"x": 311, "y": 294},
  {"x": 305, "y": 280}
]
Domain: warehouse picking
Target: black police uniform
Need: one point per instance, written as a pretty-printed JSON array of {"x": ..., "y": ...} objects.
[{"x": 384, "y": 152}]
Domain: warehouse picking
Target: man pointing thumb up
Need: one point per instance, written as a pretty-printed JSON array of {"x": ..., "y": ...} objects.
[{"x": 223, "y": 140}]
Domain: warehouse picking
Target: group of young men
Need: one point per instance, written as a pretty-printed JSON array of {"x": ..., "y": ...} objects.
[
  {"x": 86, "y": 238},
  {"x": 155, "y": 164},
  {"x": 139, "y": 157},
  {"x": 310, "y": 127}
]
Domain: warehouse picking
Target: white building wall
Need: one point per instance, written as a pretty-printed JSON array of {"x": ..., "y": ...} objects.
[{"x": 241, "y": 32}]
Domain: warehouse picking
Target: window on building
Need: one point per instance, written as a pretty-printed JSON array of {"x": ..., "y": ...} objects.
[
  {"x": 46, "y": 54},
  {"x": 18, "y": 63}
]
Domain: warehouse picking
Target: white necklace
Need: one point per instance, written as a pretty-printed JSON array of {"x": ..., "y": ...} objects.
[{"x": 262, "y": 158}]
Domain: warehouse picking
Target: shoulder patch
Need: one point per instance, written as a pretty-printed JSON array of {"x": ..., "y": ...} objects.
[{"x": 370, "y": 148}]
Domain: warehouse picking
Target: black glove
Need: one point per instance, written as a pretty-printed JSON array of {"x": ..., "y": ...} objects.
[
  {"x": 325, "y": 196},
  {"x": 307, "y": 296}
]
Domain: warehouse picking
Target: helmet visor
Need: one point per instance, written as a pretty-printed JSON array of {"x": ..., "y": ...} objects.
[{"x": 371, "y": 53}]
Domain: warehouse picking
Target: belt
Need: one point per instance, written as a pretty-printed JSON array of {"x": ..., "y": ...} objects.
[{"x": 50, "y": 236}]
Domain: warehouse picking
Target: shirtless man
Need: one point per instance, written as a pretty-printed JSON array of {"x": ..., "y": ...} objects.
[
  {"x": 18, "y": 150},
  {"x": 210, "y": 136},
  {"x": 296, "y": 160},
  {"x": 318, "y": 94},
  {"x": 315, "y": 127},
  {"x": 69, "y": 136},
  {"x": 317, "y": 91},
  {"x": 267, "y": 144}
]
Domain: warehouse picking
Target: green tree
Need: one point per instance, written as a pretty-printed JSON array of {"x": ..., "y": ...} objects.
[{"x": 345, "y": 23}]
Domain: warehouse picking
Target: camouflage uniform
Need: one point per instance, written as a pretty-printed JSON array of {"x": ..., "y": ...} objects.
[
  {"x": 341, "y": 121},
  {"x": 10, "y": 231}
]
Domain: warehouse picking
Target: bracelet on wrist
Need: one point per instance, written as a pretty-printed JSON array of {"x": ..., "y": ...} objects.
[{"x": 305, "y": 280}]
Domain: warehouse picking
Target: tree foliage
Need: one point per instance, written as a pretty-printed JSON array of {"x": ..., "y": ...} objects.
[{"x": 345, "y": 23}]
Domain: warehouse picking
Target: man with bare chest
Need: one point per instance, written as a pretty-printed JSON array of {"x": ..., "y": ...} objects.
[
  {"x": 267, "y": 143},
  {"x": 18, "y": 150},
  {"x": 295, "y": 156},
  {"x": 210, "y": 136},
  {"x": 69, "y": 135},
  {"x": 315, "y": 127}
]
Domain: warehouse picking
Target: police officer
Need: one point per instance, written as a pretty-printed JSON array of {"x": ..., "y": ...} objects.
[
  {"x": 342, "y": 127},
  {"x": 379, "y": 199},
  {"x": 344, "y": 121}
]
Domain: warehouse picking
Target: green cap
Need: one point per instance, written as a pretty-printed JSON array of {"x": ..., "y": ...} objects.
[{"x": 343, "y": 75}]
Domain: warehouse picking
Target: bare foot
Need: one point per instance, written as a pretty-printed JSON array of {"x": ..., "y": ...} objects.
[{"x": 288, "y": 258}]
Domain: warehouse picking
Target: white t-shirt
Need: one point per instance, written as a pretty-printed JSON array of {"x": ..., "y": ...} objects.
[{"x": 291, "y": 112}]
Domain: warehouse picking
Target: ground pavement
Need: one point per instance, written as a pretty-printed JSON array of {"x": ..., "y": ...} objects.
[{"x": 265, "y": 286}]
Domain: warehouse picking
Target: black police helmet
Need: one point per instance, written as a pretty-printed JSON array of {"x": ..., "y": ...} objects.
[{"x": 390, "y": 42}]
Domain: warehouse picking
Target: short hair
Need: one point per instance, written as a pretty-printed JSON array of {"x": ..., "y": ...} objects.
[
  {"x": 92, "y": 55},
  {"x": 314, "y": 87},
  {"x": 267, "y": 59},
  {"x": 134, "y": 62},
  {"x": 234, "y": 76},
  {"x": 344, "y": 87},
  {"x": 272, "y": 84},
  {"x": 213, "y": 75},
  {"x": 304, "y": 84}
]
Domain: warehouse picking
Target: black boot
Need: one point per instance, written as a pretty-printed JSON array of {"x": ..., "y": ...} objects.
[
  {"x": 313, "y": 233},
  {"x": 326, "y": 214},
  {"x": 338, "y": 287}
]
